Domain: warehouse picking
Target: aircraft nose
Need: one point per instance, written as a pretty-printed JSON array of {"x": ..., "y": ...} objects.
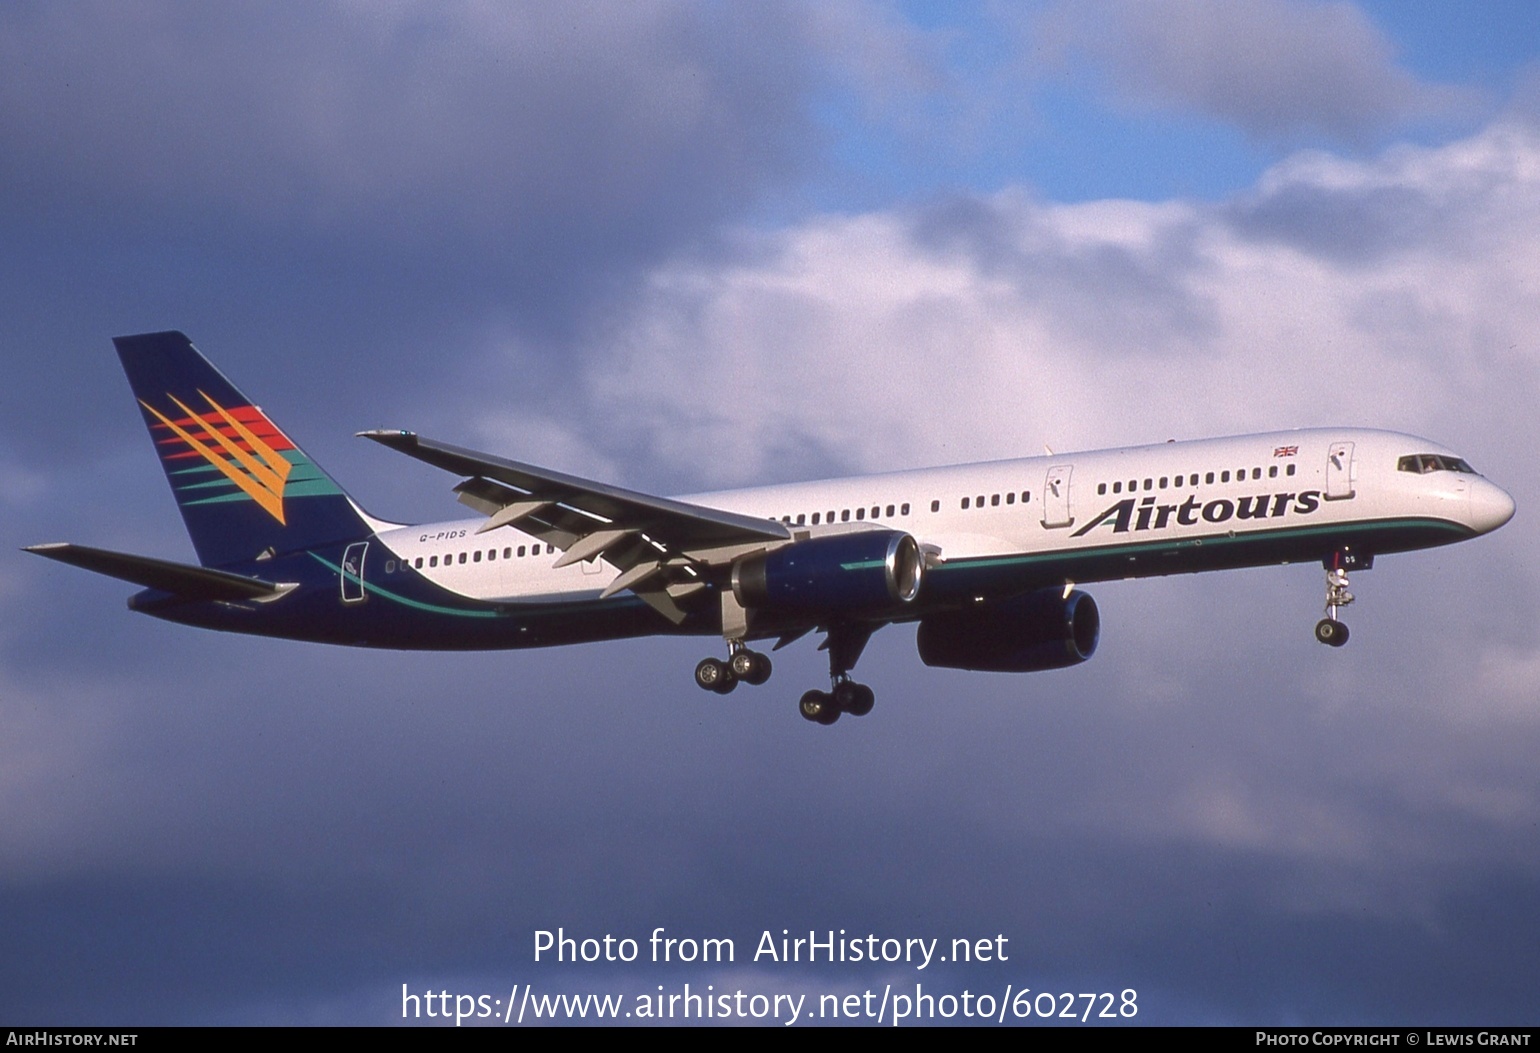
[{"x": 1490, "y": 506}]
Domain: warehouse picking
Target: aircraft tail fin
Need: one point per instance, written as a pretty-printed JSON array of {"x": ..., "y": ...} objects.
[{"x": 243, "y": 487}]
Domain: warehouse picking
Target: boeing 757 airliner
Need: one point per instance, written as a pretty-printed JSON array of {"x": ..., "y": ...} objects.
[{"x": 986, "y": 558}]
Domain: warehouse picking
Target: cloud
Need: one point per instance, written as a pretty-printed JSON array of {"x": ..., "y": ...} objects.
[
  {"x": 1277, "y": 69},
  {"x": 395, "y": 175},
  {"x": 458, "y": 152},
  {"x": 206, "y": 827},
  {"x": 1388, "y": 292},
  {"x": 365, "y": 107}
]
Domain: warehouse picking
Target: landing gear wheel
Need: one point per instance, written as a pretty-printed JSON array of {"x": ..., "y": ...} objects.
[
  {"x": 853, "y": 698},
  {"x": 750, "y": 666},
  {"x": 1331, "y": 632},
  {"x": 845, "y": 695},
  {"x": 819, "y": 708},
  {"x": 714, "y": 675}
]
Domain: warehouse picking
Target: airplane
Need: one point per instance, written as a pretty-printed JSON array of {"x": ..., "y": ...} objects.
[{"x": 986, "y": 558}]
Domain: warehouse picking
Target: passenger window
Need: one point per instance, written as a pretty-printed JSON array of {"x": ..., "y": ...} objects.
[
  {"x": 1209, "y": 478},
  {"x": 1010, "y": 498},
  {"x": 1117, "y": 487},
  {"x": 994, "y": 500},
  {"x": 965, "y": 504},
  {"x": 935, "y": 506},
  {"x": 1224, "y": 477},
  {"x": 904, "y": 509},
  {"x": 1026, "y": 495},
  {"x": 1149, "y": 484},
  {"x": 432, "y": 561},
  {"x": 417, "y": 563},
  {"x": 1289, "y": 470},
  {"x": 462, "y": 557},
  {"x": 860, "y": 513},
  {"x": 1256, "y": 473},
  {"x": 476, "y": 557},
  {"x": 508, "y": 553},
  {"x": 815, "y": 518},
  {"x": 890, "y": 511},
  {"x": 1101, "y": 488},
  {"x": 1272, "y": 471},
  {"x": 844, "y": 515}
]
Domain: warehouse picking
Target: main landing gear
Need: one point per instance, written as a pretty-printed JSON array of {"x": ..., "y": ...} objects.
[
  {"x": 751, "y": 667},
  {"x": 845, "y": 644},
  {"x": 1329, "y": 630},
  {"x": 825, "y": 707}
]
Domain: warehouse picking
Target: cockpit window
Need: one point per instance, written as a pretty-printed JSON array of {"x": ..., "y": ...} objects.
[{"x": 1423, "y": 463}]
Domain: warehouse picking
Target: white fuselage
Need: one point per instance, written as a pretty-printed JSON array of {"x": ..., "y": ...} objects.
[{"x": 1134, "y": 498}]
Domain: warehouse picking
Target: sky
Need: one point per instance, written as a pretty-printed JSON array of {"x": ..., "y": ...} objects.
[{"x": 685, "y": 247}]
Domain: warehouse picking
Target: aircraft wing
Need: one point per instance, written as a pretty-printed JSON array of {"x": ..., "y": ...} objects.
[{"x": 663, "y": 548}]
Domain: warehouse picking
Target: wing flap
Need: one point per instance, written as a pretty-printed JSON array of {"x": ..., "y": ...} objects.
[{"x": 659, "y": 545}]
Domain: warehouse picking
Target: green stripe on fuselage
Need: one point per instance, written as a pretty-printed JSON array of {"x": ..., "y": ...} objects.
[
  {"x": 1212, "y": 540},
  {"x": 405, "y": 601}
]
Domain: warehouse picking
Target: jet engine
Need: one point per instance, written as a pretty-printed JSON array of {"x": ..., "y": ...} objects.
[
  {"x": 1041, "y": 630},
  {"x": 842, "y": 573}
]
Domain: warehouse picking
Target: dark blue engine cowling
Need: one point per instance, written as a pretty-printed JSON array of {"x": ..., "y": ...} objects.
[
  {"x": 1041, "y": 630},
  {"x": 869, "y": 571}
]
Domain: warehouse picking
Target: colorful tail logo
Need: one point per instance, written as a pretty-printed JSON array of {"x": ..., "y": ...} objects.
[{"x": 229, "y": 443}]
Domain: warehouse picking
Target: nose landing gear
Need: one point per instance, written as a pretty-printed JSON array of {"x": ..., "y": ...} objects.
[{"x": 1329, "y": 630}]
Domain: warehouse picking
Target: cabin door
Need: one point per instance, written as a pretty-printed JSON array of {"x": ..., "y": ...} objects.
[
  {"x": 1339, "y": 471},
  {"x": 353, "y": 572},
  {"x": 1056, "y": 497}
]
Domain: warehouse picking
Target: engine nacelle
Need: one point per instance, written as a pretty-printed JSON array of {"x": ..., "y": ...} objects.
[
  {"x": 1041, "y": 630},
  {"x": 867, "y": 571}
]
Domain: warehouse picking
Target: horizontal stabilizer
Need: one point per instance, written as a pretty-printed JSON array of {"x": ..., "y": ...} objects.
[{"x": 179, "y": 579}]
